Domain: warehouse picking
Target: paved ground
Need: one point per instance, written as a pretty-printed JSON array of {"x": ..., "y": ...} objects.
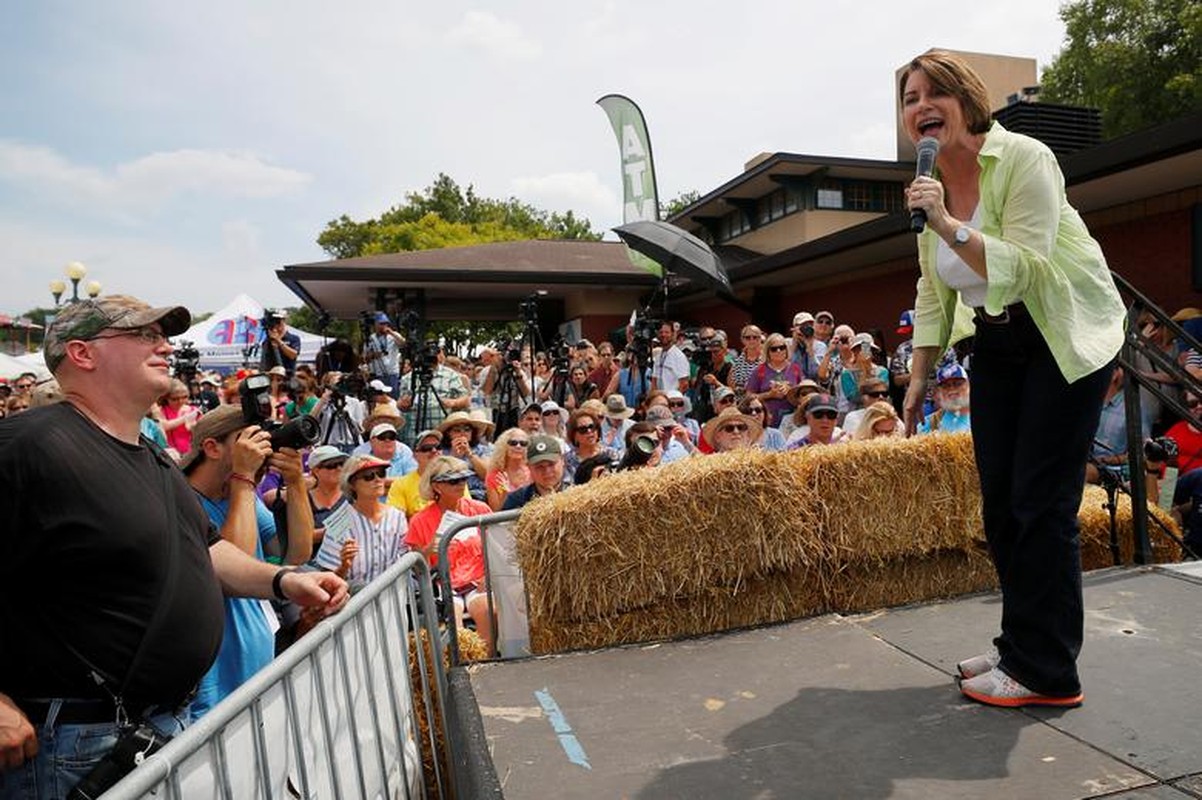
[{"x": 861, "y": 707}]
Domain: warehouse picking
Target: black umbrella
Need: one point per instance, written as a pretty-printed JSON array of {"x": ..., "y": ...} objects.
[{"x": 677, "y": 251}]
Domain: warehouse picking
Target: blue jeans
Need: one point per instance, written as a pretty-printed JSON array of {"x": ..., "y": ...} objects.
[{"x": 66, "y": 753}]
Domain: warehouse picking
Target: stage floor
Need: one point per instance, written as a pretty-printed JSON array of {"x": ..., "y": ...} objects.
[{"x": 861, "y": 707}]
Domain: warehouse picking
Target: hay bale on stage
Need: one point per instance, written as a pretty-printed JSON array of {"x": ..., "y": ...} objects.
[{"x": 750, "y": 538}]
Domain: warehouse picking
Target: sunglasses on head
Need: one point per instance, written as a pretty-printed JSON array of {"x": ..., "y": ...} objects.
[
  {"x": 734, "y": 427},
  {"x": 374, "y": 474},
  {"x": 824, "y": 414}
]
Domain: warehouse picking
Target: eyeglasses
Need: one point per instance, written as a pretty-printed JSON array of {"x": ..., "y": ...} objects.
[
  {"x": 675, "y": 404},
  {"x": 376, "y": 474},
  {"x": 586, "y": 428},
  {"x": 824, "y": 414},
  {"x": 330, "y": 465},
  {"x": 736, "y": 427},
  {"x": 776, "y": 347},
  {"x": 426, "y": 448},
  {"x": 149, "y": 336},
  {"x": 518, "y": 443},
  {"x": 879, "y": 393},
  {"x": 387, "y": 437}
]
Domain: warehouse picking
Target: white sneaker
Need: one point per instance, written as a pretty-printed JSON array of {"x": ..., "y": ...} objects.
[
  {"x": 996, "y": 688},
  {"x": 979, "y": 665}
]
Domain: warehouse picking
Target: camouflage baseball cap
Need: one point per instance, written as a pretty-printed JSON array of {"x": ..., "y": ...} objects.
[{"x": 83, "y": 320}]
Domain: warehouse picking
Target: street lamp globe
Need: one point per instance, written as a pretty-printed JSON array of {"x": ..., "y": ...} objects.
[
  {"x": 76, "y": 270},
  {"x": 93, "y": 288},
  {"x": 57, "y": 287}
]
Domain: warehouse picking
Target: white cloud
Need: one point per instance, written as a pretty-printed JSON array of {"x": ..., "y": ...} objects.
[
  {"x": 146, "y": 183},
  {"x": 240, "y": 237},
  {"x": 581, "y": 192},
  {"x": 483, "y": 30}
]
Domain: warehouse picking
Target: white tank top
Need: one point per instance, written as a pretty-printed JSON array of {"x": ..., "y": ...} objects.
[{"x": 958, "y": 275}]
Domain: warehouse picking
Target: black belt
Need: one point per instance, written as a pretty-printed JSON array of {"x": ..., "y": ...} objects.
[
  {"x": 81, "y": 712},
  {"x": 1012, "y": 311}
]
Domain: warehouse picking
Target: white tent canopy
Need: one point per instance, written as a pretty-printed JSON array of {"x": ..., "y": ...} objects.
[
  {"x": 222, "y": 339},
  {"x": 12, "y": 366}
]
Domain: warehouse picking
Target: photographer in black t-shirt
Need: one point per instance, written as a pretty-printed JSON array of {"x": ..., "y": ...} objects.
[{"x": 116, "y": 573}]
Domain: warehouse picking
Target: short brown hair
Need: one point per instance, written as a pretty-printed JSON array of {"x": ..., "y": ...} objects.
[{"x": 951, "y": 74}]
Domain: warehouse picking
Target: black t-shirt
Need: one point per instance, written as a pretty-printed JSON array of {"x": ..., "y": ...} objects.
[{"x": 83, "y": 549}]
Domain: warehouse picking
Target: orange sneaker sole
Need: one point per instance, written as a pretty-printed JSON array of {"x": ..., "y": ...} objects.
[{"x": 1071, "y": 701}]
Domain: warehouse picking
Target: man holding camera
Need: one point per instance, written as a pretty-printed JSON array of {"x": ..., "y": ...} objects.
[
  {"x": 437, "y": 391},
  {"x": 280, "y": 347},
  {"x": 805, "y": 348},
  {"x": 117, "y": 572},
  {"x": 383, "y": 352},
  {"x": 227, "y": 456},
  {"x": 506, "y": 386},
  {"x": 713, "y": 370}
]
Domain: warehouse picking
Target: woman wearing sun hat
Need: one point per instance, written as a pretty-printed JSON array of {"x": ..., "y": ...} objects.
[
  {"x": 463, "y": 438},
  {"x": 364, "y": 537}
]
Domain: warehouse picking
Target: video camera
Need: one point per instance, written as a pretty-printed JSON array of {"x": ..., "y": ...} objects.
[
  {"x": 646, "y": 331},
  {"x": 255, "y": 393},
  {"x": 185, "y": 361},
  {"x": 701, "y": 356},
  {"x": 1160, "y": 449}
]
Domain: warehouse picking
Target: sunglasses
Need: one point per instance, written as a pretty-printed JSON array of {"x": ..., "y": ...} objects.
[
  {"x": 876, "y": 394},
  {"x": 755, "y": 410},
  {"x": 387, "y": 437},
  {"x": 727, "y": 400},
  {"x": 1193, "y": 402},
  {"x": 426, "y": 448},
  {"x": 550, "y": 413},
  {"x": 737, "y": 427},
  {"x": 675, "y": 404},
  {"x": 452, "y": 481},
  {"x": 24, "y": 385},
  {"x": 586, "y": 428},
  {"x": 331, "y": 465},
  {"x": 776, "y": 347},
  {"x": 750, "y": 336},
  {"x": 825, "y": 321},
  {"x": 518, "y": 443},
  {"x": 824, "y": 414},
  {"x": 376, "y": 474}
]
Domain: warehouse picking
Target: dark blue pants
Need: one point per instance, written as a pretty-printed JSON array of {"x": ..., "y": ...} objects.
[{"x": 1031, "y": 433}]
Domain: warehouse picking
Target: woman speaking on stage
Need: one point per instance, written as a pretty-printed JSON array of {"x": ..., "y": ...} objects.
[{"x": 1006, "y": 259}]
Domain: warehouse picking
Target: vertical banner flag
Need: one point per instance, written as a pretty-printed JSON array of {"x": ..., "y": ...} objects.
[{"x": 639, "y": 195}]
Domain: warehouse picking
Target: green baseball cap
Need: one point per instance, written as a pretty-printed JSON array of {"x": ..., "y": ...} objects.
[{"x": 83, "y": 320}]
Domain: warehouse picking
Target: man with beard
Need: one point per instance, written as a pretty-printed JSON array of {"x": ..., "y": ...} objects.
[{"x": 952, "y": 393}]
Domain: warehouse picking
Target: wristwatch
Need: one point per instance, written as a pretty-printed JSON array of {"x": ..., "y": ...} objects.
[{"x": 961, "y": 236}]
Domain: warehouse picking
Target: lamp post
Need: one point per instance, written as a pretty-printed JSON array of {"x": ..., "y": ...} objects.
[{"x": 76, "y": 272}]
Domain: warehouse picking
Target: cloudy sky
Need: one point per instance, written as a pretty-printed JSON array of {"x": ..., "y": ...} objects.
[{"x": 184, "y": 152}]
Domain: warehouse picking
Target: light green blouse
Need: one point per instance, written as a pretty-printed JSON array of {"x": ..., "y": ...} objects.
[{"x": 1037, "y": 252}]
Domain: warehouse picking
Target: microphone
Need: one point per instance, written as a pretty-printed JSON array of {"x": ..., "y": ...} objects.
[{"x": 928, "y": 148}]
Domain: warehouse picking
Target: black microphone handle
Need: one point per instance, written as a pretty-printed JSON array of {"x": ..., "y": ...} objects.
[{"x": 918, "y": 220}]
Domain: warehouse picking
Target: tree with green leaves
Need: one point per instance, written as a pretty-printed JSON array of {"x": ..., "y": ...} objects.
[
  {"x": 444, "y": 215},
  {"x": 1139, "y": 61},
  {"x": 678, "y": 203}
]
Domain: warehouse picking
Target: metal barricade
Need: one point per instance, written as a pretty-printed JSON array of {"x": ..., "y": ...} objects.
[
  {"x": 332, "y": 716},
  {"x": 482, "y": 522}
]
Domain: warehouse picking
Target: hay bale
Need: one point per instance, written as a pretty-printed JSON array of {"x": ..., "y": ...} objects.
[
  {"x": 1094, "y": 521},
  {"x": 749, "y": 538}
]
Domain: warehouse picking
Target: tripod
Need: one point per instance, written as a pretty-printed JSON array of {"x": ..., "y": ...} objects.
[
  {"x": 421, "y": 388},
  {"x": 1113, "y": 483},
  {"x": 340, "y": 430}
]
